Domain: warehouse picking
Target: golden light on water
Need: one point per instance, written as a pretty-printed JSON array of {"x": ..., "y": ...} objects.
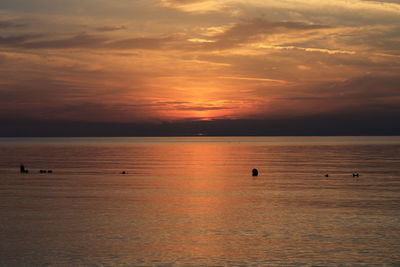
[{"x": 193, "y": 201}]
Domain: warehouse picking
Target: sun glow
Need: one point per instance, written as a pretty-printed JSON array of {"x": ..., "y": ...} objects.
[{"x": 169, "y": 60}]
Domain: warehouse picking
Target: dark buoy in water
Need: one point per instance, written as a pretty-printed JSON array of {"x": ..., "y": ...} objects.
[
  {"x": 255, "y": 172},
  {"x": 327, "y": 175},
  {"x": 356, "y": 174}
]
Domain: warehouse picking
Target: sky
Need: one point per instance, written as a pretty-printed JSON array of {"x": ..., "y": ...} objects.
[{"x": 146, "y": 61}]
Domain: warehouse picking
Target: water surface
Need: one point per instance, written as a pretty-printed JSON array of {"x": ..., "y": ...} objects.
[{"x": 193, "y": 201}]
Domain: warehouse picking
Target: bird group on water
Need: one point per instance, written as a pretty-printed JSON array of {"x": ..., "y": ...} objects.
[
  {"x": 22, "y": 169},
  {"x": 46, "y": 171},
  {"x": 355, "y": 174},
  {"x": 254, "y": 172}
]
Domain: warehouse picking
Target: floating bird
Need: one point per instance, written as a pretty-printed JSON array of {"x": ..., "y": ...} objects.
[
  {"x": 255, "y": 172},
  {"x": 22, "y": 169},
  {"x": 327, "y": 175},
  {"x": 356, "y": 174}
]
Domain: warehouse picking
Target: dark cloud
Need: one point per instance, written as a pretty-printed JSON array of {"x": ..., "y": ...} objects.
[
  {"x": 173, "y": 102},
  {"x": 185, "y": 2},
  {"x": 74, "y": 103},
  {"x": 91, "y": 111},
  {"x": 200, "y": 108},
  {"x": 347, "y": 124},
  {"x": 251, "y": 30},
  {"x": 384, "y": 1},
  {"x": 36, "y": 41},
  {"x": 238, "y": 34},
  {"x": 19, "y": 93},
  {"x": 140, "y": 43},
  {"x": 386, "y": 40},
  {"x": 110, "y": 28},
  {"x": 366, "y": 94},
  {"x": 367, "y": 87},
  {"x": 6, "y": 24},
  {"x": 359, "y": 113},
  {"x": 78, "y": 41},
  {"x": 17, "y": 40},
  {"x": 85, "y": 41}
]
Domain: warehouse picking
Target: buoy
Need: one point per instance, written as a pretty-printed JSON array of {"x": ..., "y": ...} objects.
[{"x": 255, "y": 172}]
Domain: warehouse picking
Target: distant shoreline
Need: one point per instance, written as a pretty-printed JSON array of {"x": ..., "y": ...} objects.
[
  {"x": 270, "y": 140},
  {"x": 197, "y": 136}
]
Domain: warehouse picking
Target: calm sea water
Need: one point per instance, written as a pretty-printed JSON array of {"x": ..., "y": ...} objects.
[{"x": 193, "y": 201}]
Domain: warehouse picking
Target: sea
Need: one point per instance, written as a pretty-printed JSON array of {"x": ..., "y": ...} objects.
[{"x": 192, "y": 201}]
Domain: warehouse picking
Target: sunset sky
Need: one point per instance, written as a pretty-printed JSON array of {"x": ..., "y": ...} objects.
[{"x": 135, "y": 61}]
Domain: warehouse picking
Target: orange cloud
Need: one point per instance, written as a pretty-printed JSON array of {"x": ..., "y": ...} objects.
[{"x": 196, "y": 60}]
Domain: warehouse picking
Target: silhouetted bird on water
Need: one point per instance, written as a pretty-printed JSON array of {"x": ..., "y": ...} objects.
[
  {"x": 255, "y": 172},
  {"x": 22, "y": 169},
  {"x": 326, "y": 175},
  {"x": 356, "y": 174}
]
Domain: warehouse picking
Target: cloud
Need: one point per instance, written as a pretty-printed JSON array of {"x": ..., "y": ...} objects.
[
  {"x": 339, "y": 12},
  {"x": 384, "y": 38},
  {"x": 68, "y": 97},
  {"x": 362, "y": 94},
  {"x": 110, "y": 28},
  {"x": 252, "y": 30},
  {"x": 78, "y": 41},
  {"x": 368, "y": 87},
  {"x": 185, "y": 2},
  {"x": 85, "y": 41},
  {"x": 141, "y": 43},
  {"x": 263, "y": 57},
  {"x": 199, "y": 107},
  {"x": 195, "y": 6},
  {"x": 172, "y": 103},
  {"x": 17, "y": 40},
  {"x": 7, "y": 24},
  {"x": 309, "y": 49},
  {"x": 228, "y": 37},
  {"x": 255, "y": 79},
  {"x": 41, "y": 41}
]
